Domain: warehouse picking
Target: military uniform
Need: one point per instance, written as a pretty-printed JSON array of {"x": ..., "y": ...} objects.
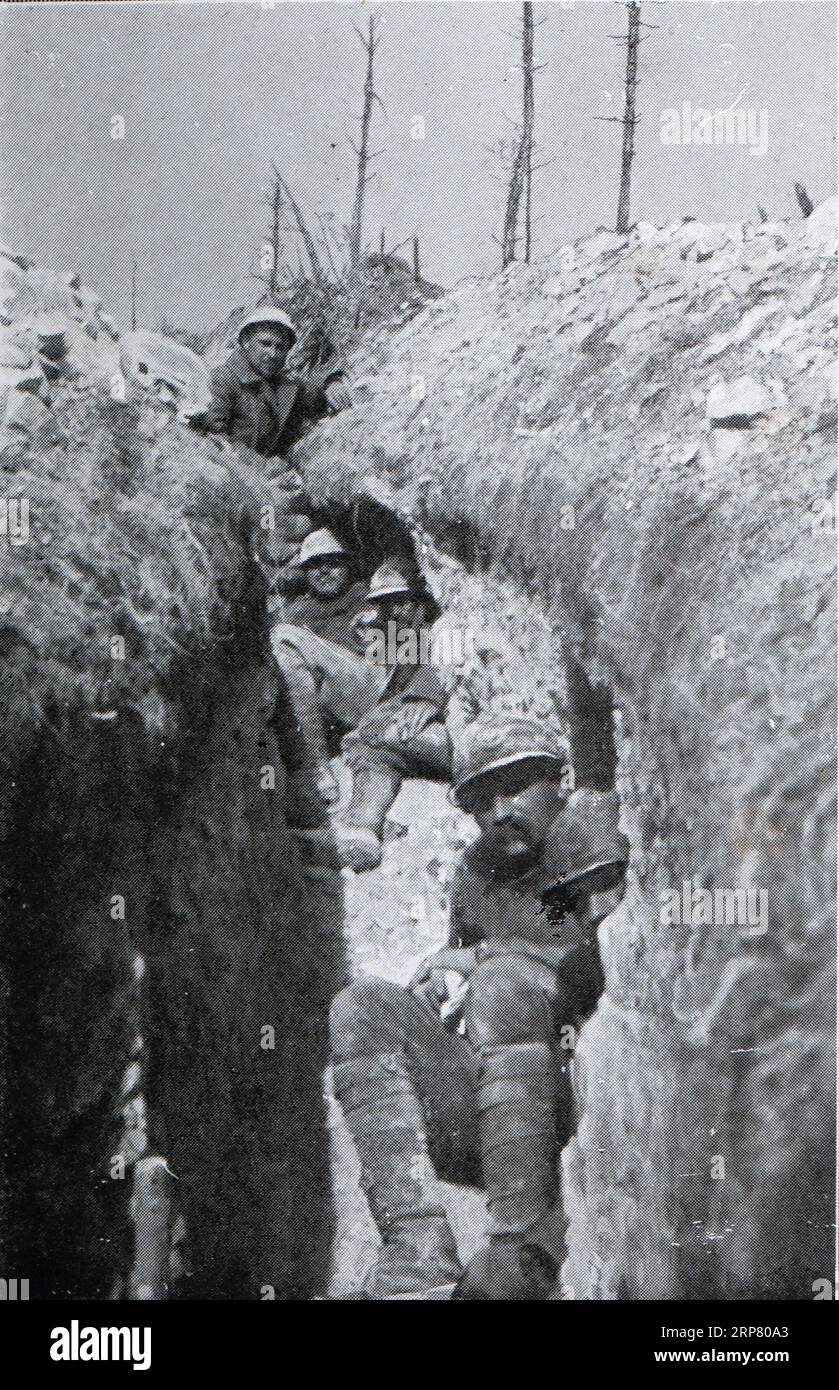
[
  {"x": 266, "y": 416},
  {"x": 490, "y": 1104}
]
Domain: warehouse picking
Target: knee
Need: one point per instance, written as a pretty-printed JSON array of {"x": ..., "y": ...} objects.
[
  {"x": 287, "y": 658},
  {"x": 359, "y": 1018},
  {"x": 504, "y": 1007}
]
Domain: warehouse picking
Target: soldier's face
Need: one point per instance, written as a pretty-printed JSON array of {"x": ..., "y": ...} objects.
[
  {"x": 515, "y": 808},
  {"x": 267, "y": 349},
  {"x": 405, "y": 612},
  {"x": 329, "y": 577}
]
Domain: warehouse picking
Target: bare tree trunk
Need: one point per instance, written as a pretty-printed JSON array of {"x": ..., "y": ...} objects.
[
  {"x": 370, "y": 44},
  {"x": 270, "y": 273},
  {"x": 528, "y": 203},
  {"x": 520, "y": 173},
  {"x": 276, "y": 211},
  {"x": 305, "y": 235},
  {"x": 629, "y": 117}
]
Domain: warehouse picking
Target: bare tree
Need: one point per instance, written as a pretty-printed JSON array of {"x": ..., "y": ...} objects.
[
  {"x": 632, "y": 40},
  {"x": 369, "y": 43},
  {"x": 521, "y": 172},
  {"x": 305, "y": 235},
  {"x": 133, "y": 296},
  {"x": 271, "y": 251},
  {"x": 629, "y": 117},
  {"x": 805, "y": 202}
]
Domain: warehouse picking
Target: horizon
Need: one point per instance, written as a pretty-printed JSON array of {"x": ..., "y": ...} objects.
[{"x": 209, "y": 91}]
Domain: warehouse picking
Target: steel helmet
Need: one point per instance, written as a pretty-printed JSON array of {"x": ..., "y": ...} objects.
[
  {"x": 588, "y": 842},
  {"x": 267, "y": 315},
  {"x": 389, "y": 581},
  {"x": 319, "y": 543},
  {"x": 492, "y": 745}
]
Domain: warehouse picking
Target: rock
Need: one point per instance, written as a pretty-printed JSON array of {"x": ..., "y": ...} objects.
[
  {"x": 820, "y": 229},
  {"x": 174, "y": 373},
  {"x": 15, "y": 351},
  {"x": 699, "y": 241},
  {"x": 22, "y": 262},
  {"x": 738, "y": 403},
  {"x": 24, "y": 411},
  {"x": 28, "y": 377}
]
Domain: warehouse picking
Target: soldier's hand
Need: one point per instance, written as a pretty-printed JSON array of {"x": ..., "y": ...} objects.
[
  {"x": 337, "y": 392},
  {"x": 459, "y": 959}
]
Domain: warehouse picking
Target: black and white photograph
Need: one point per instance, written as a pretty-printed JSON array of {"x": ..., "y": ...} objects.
[{"x": 418, "y": 665}]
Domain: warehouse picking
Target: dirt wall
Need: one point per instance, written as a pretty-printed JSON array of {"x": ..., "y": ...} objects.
[
  {"x": 640, "y": 436},
  {"x": 155, "y": 919}
]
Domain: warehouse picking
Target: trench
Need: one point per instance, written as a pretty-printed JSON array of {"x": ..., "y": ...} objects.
[{"x": 398, "y": 914}]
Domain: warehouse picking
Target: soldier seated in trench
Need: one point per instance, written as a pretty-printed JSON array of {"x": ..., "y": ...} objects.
[
  {"x": 401, "y": 732},
  {"x": 490, "y": 1105},
  {"x": 257, "y": 402},
  {"x": 320, "y": 647}
]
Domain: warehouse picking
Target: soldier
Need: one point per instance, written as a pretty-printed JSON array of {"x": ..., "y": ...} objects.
[
  {"x": 255, "y": 401},
  {"x": 491, "y": 1105},
  {"x": 320, "y": 648},
  {"x": 404, "y": 734}
]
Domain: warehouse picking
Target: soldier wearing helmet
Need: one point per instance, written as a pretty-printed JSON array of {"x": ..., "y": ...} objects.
[
  {"x": 320, "y": 648},
  {"x": 402, "y": 732},
  {"x": 255, "y": 401},
  {"x": 489, "y": 1104}
]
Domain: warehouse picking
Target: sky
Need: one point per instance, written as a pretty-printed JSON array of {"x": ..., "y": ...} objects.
[{"x": 210, "y": 93}]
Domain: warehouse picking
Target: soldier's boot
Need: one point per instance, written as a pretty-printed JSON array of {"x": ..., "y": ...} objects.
[
  {"x": 384, "y": 1116},
  {"x": 517, "y": 1110},
  {"x": 360, "y": 828}
]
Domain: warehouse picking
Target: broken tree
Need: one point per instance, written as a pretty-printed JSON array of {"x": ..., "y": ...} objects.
[
  {"x": 370, "y": 43},
  {"x": 521, "y": 172}
]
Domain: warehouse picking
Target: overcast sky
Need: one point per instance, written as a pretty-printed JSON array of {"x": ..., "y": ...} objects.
[{"x": 211, "y": 92}]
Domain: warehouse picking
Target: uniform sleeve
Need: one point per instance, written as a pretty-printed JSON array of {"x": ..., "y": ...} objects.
[
  {"x": 311, "y": 401},
  {"x": 425, "y": 684}
]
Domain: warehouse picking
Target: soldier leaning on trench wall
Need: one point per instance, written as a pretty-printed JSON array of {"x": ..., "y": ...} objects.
[{"x": 490, "y": 1106}]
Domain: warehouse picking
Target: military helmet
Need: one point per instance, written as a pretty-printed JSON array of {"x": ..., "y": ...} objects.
[
  {"x": 318, "y": 544},
  {"x": 497, "y": 744},
  {"x": 587, "y": 842},
  {"x": 268, "y": 315},
  {"x": 389, "y": 581}
]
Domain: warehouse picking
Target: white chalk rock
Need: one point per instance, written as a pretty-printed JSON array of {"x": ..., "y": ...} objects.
[
  {"x": 742, "y": 400},
  {"x": 171, "y": 371},
  {"x": 820, "y": 229}
]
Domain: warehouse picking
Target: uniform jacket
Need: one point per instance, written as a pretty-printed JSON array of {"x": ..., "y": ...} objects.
[
  {"x": 488, "y": 907},
  {"x": 335, "y": 619},
  {"x": 267, "y": 416}
]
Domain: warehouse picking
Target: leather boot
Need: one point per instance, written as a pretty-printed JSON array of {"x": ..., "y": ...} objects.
[
  {"x": 516, "y": 1103},
  {"x": 384, "y": 1117}
]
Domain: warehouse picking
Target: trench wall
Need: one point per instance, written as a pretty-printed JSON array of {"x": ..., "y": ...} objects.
[
  {"x": 150, "y": 888},
  {"x": 639, "y": 436}
]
